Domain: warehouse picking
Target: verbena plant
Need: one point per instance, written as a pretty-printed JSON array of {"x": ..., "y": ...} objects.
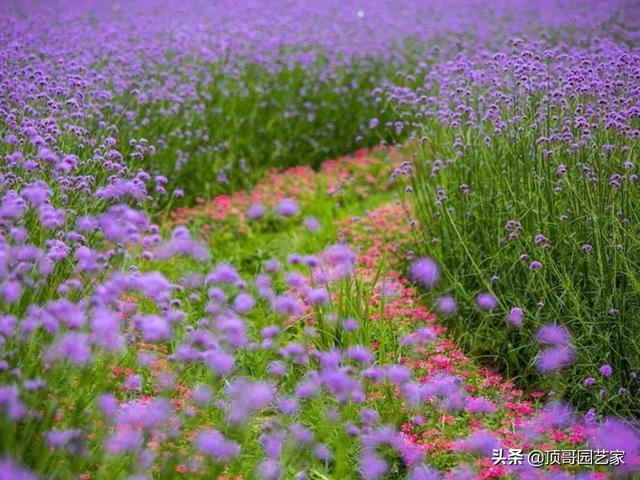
[{"x": 524, "y": 182}]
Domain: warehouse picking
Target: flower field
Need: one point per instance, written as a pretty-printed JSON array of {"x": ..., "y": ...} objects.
[{"x": 319, "y": 240}]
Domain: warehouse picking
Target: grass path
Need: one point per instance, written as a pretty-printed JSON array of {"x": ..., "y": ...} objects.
[{"x": 470, "y": 410}]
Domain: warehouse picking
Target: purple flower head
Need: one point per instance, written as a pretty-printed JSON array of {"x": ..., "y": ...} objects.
[
  {"x": 69, "y": 439},
  {"x": 424, "y": 472},
  {"x": 339, "y": 260},
  {"x": 243, "y": 303},
  {"x": 219, "y": 361},
  {"x": 125, "y": 440},
  {"x": 255, "y": 211},
  {"x": 369, "y": 416},
  {"x": 425, "y": 272},
  {"x": 246, "y": 397},
  {"x": 11, "y": 403},
  {"x": 287, "y": 207},
  {"x": 397, "y": 374},
  {"x": 322, "y": 453},
  {"x": 420, "y": 337},
  {"x": 312, "y": 224},
  {"x": 589, "y": 382},
  {"x": 213, "y": 443},
  {"x": 553, "y": 359},
  {"x": 481, "y": 443},
  {"x": 301, "y": 434},
  {"x": 616, "y": 434},
  {"x": 486, "y": 301},
  {"x": 269, "y": 469},
  {"x": 556, "y": 415},
  {"x": 133, "y": 383},
  {"x": 294, "y": 279},
  {"x": 11, "y": 470},
  {"x": 74, "y": 347},
  {"x": 372, "y": 467},
  {"x": 277, "y": 368},
  {"x": 11, "y": 291},
  {"x": 535, "y": 265},
  {"x": 350, "y": 324},
  {"x": 153, "y": 328},
  {"x": 480, "y": 405},
  {"x": 223, "y": 273},
  {"x": 515, "y": 316},
  {"x": 318, "y": 296},
  {"x": 272, "y": 265},
  {"x": 553, "y": 335},
  {"x": 606, "y": 370},
  {"x": 586, "y": 248},
  {"x": 201, "y": 395},
  {"x": 270, "y": 331},
  {"x": 287, "y": 305},
  {"x": 108, "y": 404},
  {"x": 446, "y": 305}
]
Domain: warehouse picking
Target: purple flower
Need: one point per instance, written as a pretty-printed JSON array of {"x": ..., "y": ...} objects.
[
  {"x": 424, "y": 472},
  {"x": 73, "y": 347},
  {"x": 213, "y": 443},
  {"x": 312, "y": 224},
  {"x": 446, "y": 305},
  {"x": 481, "y": 443},
  {"x": 556, "y": 415},
  {"x": 397, "y": 374},
  {"x": 272, "y": 265},
  {"x": 350, "y": 324},
  {"x": 615, "y": 434},
  {"x": 287, "y": 207},
  {"x": 606, "y": 370},
  {"x": 535, "y": 265},
  {"x": 132, "y": 383},
  {"x": 255, "y": 211},
  {"x": 555, "y": 358},
  {"x": 223, "y": 273},
  {"x": 318, "y": 296},
  {"x": 108, "y": 404},
  {"x": 419, "y": 337},
  {"x": 11, "y": 291},
  {"x": 243, "y": 303},
  {"x": 589, "y": 382},
  {"x": 486, "y": 301},
  {"x": 153, "y": 328},
  {"x": 246, "y": 397},
  {"x": 124, "y": 441},
  {"x": 62, "y": 439},
  {"x": 322, "y": 453},
  {"x": 201, "y": 395},
  {"x": 220, "y": 362},
  {"x": 553, "y": 335},
  {"x": 269, "y": 469},
  {"x": 480, "y": 405},
  {"x": 339, "y": 260},
  {"x": 372, "y": 466},
  {"x": 11, "y": 403},
  {"x": 515, "y": 316},
  {"x": 11, "y": 470},
  {"x": 369, "y": 416},
  {"x": 301, "y": 434},
  {"x": 425, "y": 272},
  {"x": 360, "y": 354}
]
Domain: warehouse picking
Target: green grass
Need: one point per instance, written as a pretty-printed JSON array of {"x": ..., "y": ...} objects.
[
  {"x": 511, "y": 179},
  {"x": 247, "y": 121}
]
